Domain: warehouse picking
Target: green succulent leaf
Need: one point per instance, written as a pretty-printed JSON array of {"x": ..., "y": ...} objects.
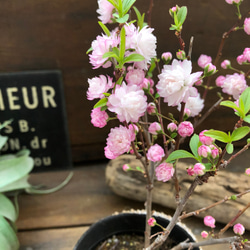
[
  {"x": 179, "y": 154},
  {"x": 8, "y": 238},
  {"x": 218, "y": 135},
  {"x": 7, "y": 208},
  {"x": 239, "y": 133}
]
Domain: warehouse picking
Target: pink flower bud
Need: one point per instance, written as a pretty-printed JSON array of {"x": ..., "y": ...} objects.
[
  {"x": 204, "y": 234},
  {"x": 185, "y": 129},
  {"x": 247, "y": 172},
  {"x": 164, "y": 172},
  {"x": 246, "y": 54},
  {"x": 172, "y": 127},
  {"x": 99, "y": 118},
  {"x": 145, "y": 83},
  {"x": 190, "y": 171},
  {"x": 247, "y": 25},
  {"x": 214, "y": 151},
  {"x": 126, "y": 167},
  {"x": 151, "y": 221},
  {"x": 209, "y": 69},
  {"x": 133, "y": 128},
  {"x": 151, "y": 108},
  {"x": 220, "y": 81},
  {"x": 207, "y": 140},
  {"x": 199, "y": 169},
  {"x": 154, "y": 128},
  {"x": 155, "y": 153},
  {"x": 225, "y": 64},
  {"x": 209, "y": 221},
  {"x": 241, "y": 59},
  {"x": 233, "y": 1},
  {"x": 187, "y": 112},
  {"x": 181, "y": 55},
  {"x": 203, "y": 60},
  {"x": 166, "y": 57},
  {"x": 199, "y": 83},
  {"x": 239, "y": 229},
  {"x": 204, "y": 151}
]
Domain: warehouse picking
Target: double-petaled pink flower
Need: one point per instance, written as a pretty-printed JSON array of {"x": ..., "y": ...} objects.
[
  {"x": 99, "y": 118},
  {"x": 164, "y": 172},
  {"x": 185, "y": 129},
  {"x": 155, "y": 153},
  {"x": 209, "y": 221}
]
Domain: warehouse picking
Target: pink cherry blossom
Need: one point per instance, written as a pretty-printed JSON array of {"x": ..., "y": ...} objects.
[
  {"x": 135, "y": 76},
  {"x": 98, "y": 86},
  {"x": 239, "y": 229},
  {"x": 128, "y": 102},
  {"x": 204, "y": 234},
  {"x": 154, "y": 128},
  {"x": 176, "y": 82},
  {"x": 225, "y": 64},
  {"x": 207, "y": 140},
  {"x": 190, "y": 171},
  {"x": 164, "y": 172},
  {"x": 151, "y": 221},
  {"x": 199, "y": 169},
  {"x": 172, "y": 127},
  {"x": 118, "y": 141},
  {"x": 155, "y": 153},
  {"x": 99, "y": 118},
  {"x": 203, "y": 60},
  {"x": 185, "y": 129},
  {"x": 247, "y": 25},
  {"x": 247, "y": 171},
  {"x": 194, "y": 105},
  {"x": 100, "y": 46},
  {"x": 105, "y": 9},
  {"x": 209, "y": 221},
  {"x": 108, "y": 154},
  {"x": 234, "y": 85},
  {"x": 204, "y": 151}
]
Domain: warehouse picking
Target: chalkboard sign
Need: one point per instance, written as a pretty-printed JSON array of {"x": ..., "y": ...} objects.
[{"x": 35, "y": 102}]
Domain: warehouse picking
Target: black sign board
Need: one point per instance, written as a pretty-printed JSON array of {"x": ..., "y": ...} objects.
[{"x": 35, "y": 102}]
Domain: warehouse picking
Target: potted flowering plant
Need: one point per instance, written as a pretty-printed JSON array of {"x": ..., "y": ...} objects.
[{"x": 139, "y": 100}]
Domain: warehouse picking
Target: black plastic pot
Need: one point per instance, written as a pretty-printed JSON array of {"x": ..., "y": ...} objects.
[{"x": 128, "y": 223}]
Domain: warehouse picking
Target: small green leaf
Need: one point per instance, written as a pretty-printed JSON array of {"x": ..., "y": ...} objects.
[
  {"x": 246, "y": 100},
  {"x": 208, "y": 166},
  {"x": 140, "y": 18},
  {"x": 3, "y": 140},
  {"x": 173, "y": 135},
  {"x": 239, "y": 133},
  {"x": 89, "y": 50},
  {"x": 123, "y": 19},
  {"x": 101, "y": 103},
  {"x": 232, "y": 105},
  {"x": 133, "y": 58},
  {"x": 104, "y": 28},
  {"x": 110, "y": 54},
  {"x": 230, "y": 148},
  {"x": 247, "y": 119},
  {"x": 194, "y": 144},
  {"x": 179, "y": 154},
  {"x": 218, "y": 135},
  {"x": 127, "y": 4},
  {"x": 181, "y": 15},
  {"x": 122, "y": 43},
  {"x": 173, "y": 27},
  {"x": 7, "y": 208},
  {"x": 5, "y": 123}
]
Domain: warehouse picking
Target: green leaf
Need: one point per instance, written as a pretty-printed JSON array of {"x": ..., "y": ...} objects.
[
  {"x": 218, "y": 135},
  {"x": 14, "y": 169},
  {"x": 127, "y": 4},
  {"x": 3, "y": 140},
  {"x": 119, "y": 81},
  {"x": 89, "y": 50},
  {"x": 140, "y": 18},
  {"x": 173, "y": 27},
  {"x": 101, "y": 103},
  {"x": 181, "y": 15},
  {"x": 5, "y": 123},
  {"x": 8, "y": 238},
  {"x": 7, "y": 208},
  {"x": 230, "y": 148},
  {"x": 123, "y": 19},
  {"x": 110, "y": 54},
  {"x": 20, "y": 184},
  {"x": 122, "y": 44},
  {"x": 239, "y": 133},
  {"x": 232, "y": 105},
  {"x": 133, "y": 58},
  {"x": 157, "y": 95},
  {"x": 245, "y": 97},
  {"x": 208, "y": 166},
  {"x": 179, "y": 154},
  {"x": 113, "y": 3},
  {"x": 247, "y": 119},
  {"x": 194, "y": 144},
  {"x": 104, "y": 28}
]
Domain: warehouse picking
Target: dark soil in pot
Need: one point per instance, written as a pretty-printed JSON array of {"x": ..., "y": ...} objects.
[{"x": 121, "y": 227}]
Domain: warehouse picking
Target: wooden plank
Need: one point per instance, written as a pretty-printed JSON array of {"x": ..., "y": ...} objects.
[
  {"x": 52, "y": 239},
  {"x": 83, "y": 201}
]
